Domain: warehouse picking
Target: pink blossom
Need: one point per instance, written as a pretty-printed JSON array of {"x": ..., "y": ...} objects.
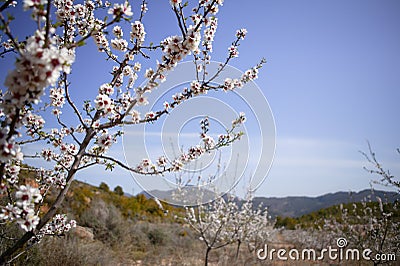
[
  {"x": 137, "y": 32},
  {"x": 119, "y": 10},
  {"x": 119, "y": 44}
]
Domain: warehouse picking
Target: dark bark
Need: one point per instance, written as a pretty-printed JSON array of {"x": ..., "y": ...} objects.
[
  {"x": 56, "y": 205},
  {"x": 207, "y": 254}
]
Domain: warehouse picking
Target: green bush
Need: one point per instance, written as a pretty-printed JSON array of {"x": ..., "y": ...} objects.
[
  {"x": 103, "y": 186},
  {"x": 156, "y": 236},
  {"x": 118, "y": 190}
]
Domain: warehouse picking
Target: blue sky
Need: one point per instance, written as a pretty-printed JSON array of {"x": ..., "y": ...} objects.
[{"x": 332, "y": 81}]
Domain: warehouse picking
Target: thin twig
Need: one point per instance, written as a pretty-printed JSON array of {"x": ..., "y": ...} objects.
[{"x": 70, "y": 102}]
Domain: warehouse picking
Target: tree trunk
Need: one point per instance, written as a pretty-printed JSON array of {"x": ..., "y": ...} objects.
[
  {"x": 238, "y": 249},
  {"x": 207, "y": 253},
  {"x": 56, "y": 205}
]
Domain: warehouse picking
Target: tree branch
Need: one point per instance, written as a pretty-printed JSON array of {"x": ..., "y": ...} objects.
[
  {"x": 47, "y": 26},
  {"x": 5, "y": 5},
  {"x": 70, "y": 102}
]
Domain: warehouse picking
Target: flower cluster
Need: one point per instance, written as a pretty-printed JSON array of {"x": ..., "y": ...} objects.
[
  {"x": 66, "y": 10},
  {"x": 209, "y": 33},
  {"x": 207, "y": 3},
  {"x": 64, "y": 160},
  {"x": 118, "y": 10},
  {"x": 106, "y": 89},
  {"x": 233, "y": 51},
  {"x": 204, "y": 125},
  {"x": 101, "y": 41},
  {"x": 57, "y": 98},
  {"x": 33, "y": 123},
  {"x": 231, "y": 84},
  {"x": 250, "y": 74},
  {"x": 104, "y": 142},
  {"x": 240, "y": 120},
  {"x": 175, "y": 3},
  {"x": 117, "y": 31},
  {"x": 119, "y": 44},
  {"x": 7, "y": 44},
  {"x": 135, "y": 116},
  {"x": 36, "y": 4},
  {"x": 196, "y": 88},
  {"x": 8, "y": 148},
  {"x": 24, "y": 209},
  {"x": 38, "y": 67},
  {"x": 58, "y": 226},
  {"x": 12, "y": 172},
  {"x": 146, "y": 166},
  {"x": 47, "y": 178},
  {"x": 177, "y": 165},
  {"x": 194, "y": 152},
  {"x": 241, "y": 33},
  {"x": 162, "y": 161},
  {"x": 57, "y": 137},
  {"x": 104, "y": 103},
  {"x": 144, "y": 8},
  {"x": 208, "y": 141},
  {"x": 137, "y": 32},
  {"x": 176, "y": 48}
]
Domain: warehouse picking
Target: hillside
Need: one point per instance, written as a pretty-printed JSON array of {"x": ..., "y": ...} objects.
[
  {"x": 316, "y": 219},
  {"x": 297, "y": 206},
  {"x": 112, "y": 229},
  {"x": 119, "y": 229},
  {"x": 142, "y": 207},
  {"x": 82, "y": 197}
]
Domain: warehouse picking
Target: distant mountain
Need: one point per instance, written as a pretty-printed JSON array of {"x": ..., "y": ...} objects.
[
  {"x": 297, "y": 206},
  {"x": 290, "y": 206}
]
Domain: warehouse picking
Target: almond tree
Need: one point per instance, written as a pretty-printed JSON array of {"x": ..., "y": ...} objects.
[
  {"x": 251, "y": 226},
  {"x": 373, "y": 225},
  {"x": 43, "y": 63},
  {"x": 369, "y": 225},
  {"x": 225, "y": 222}
]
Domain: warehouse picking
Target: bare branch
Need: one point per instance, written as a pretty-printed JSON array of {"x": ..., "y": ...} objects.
[
  {"x": 70, "y": 102},
  {"x": 386, "y": 178},
  {"x": 7, "y": 31},
  {"x": 5, "y": 5},
  {"x": 7, "y": 51}
]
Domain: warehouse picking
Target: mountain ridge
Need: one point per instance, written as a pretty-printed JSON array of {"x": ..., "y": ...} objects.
[{"x": 295, "y": 206}]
